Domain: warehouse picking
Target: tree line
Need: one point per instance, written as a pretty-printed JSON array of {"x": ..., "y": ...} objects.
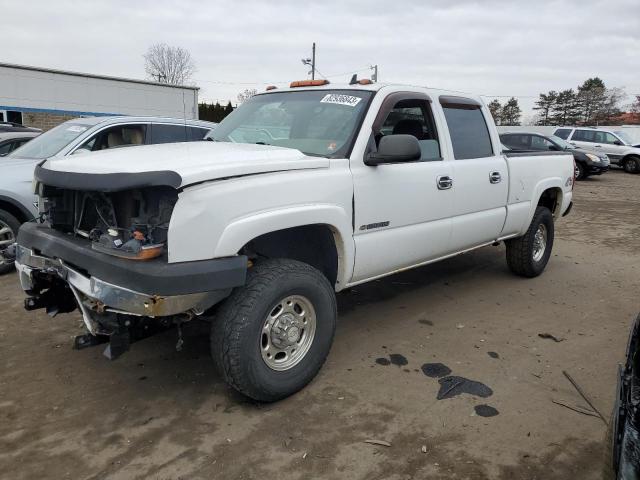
[
  {"x": 592, "y": 103},
  {"x": 214, "y": 112}
]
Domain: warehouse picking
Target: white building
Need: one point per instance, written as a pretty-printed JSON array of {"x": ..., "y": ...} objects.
[{"x": 43, "y": 98}]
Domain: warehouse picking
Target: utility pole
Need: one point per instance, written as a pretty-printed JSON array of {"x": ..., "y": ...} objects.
[
  {"x": 374, "y": 76},
  {"x": 311, "y": 62}
]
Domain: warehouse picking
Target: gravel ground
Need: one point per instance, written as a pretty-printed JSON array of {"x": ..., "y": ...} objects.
[{"x": 158, "y": 413}]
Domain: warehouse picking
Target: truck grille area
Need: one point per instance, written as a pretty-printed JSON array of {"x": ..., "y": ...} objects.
[{"x": 128, "y": 223}]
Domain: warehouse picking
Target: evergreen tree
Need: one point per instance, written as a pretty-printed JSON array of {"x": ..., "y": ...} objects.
[
  {"x": 545, "y": 104},
  {"x": 591, "y": 98},
  {"x": 565, "y": 110},
  {"x": 510, "y": 114},
  {"x": 495, "y": 108}
]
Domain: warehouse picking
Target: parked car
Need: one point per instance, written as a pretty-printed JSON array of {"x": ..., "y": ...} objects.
[
  {"x": 75, "y": 137},
  {"x": 586, "y": 162},
  {"x": 622, "y": 455},
  {"x": 10, "y": 141},
  {"x": 303, "y": 192},
  {"x": 9, "y": 127},
  {"x": 616, "y": 144}
]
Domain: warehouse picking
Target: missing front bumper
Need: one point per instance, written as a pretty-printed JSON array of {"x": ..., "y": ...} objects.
[{"x": 96, "y": 297}]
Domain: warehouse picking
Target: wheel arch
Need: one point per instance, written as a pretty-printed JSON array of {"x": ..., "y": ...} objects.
[
  {"x": 15, "y": 208},
  {"x": 320, "y": 235}
]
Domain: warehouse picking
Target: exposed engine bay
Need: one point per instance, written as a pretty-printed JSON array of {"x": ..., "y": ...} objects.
[{"x": 128, "y": 224}]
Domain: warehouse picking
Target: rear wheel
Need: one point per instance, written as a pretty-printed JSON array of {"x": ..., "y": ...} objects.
[
  {"x": 528, "y": 255},
  {"x": 9, "y": 226},
  {"x": 631, "y": 165},
  {"x": 270, "y": 337}
]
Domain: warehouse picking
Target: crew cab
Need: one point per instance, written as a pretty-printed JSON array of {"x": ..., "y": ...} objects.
[{"x": 301, "y": 193}]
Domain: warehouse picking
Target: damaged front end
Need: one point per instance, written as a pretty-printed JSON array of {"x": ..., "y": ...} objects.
[
  {"x": 106, "y": 253},
  {"x": 624, "y": 430}
]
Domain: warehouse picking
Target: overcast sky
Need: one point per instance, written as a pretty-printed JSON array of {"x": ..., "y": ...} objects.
[{"x": 503, "y": 48}]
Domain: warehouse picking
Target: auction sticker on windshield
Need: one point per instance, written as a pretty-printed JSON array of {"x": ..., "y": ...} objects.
[{"x": 338, "y": 99}]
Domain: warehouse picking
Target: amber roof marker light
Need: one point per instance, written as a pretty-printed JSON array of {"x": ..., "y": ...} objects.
[{"x": 308, "y": 83}]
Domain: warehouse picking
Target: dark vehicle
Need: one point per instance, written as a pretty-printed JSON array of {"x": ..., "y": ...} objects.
[
  {"x": 16, "y": 127},
  {"x": 623, "y": 436},
  {"x": 9, "y": 141},
  {"x": 587, "y": 162}
]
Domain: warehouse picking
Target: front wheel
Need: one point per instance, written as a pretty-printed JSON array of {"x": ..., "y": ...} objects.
[
  {"x": 270, "y": 337},
  {"x": 631, "y": 165},
  {"x": 580, "y": 171},
  {"x": 528, "y": 255}
]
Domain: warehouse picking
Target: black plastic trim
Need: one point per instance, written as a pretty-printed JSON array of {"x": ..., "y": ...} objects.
[
  {"x": 153, "y": 277},
  {"x": 107, "y": 182},
  {"x": 458, "y": 102}
]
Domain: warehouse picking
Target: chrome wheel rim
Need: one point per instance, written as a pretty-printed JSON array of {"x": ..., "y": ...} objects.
[
  {"x": 288, "y": 332},
  {"x": 539, "y": 243},
  {"x": 7, "y": 237},
  {"x": 576, "y": 172}
]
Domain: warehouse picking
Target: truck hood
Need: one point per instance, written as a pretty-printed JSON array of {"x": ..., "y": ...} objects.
[{"x": 194, "y": 162}]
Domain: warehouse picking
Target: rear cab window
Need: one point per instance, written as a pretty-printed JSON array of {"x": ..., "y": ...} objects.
[
  {"x": 166, "y": 133},
  {"x": 470, "y": 137}
]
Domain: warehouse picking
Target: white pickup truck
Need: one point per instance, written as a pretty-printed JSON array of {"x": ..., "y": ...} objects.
[{"x": 302, "y": 192}]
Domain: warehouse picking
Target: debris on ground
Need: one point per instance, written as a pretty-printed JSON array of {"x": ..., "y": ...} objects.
[
  {"x": 584, "y": 395},
  {"x": 378, "y": 442},
  {"x": 551, "y": 337},
  {"x": 576, "y": 408}
]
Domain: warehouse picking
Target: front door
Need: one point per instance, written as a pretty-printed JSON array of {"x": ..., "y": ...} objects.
[
  {"x": 402, "y": 210},
  {"x": 480, "y": 175}
]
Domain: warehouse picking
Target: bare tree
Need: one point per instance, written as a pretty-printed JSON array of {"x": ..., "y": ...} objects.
[
  {"x": 166, "y": 64},
  {"x": 246, "y": 95}
]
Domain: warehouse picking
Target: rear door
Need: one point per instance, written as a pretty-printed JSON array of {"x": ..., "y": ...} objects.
[
  {"x": 608, "y": 143},
  {"x": 480, "y": 175}
]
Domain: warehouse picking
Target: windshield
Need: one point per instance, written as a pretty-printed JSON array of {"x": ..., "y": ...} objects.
[
  {"x": 624, "y": 136},
  {"x": 51, "y": 142},
  {"x": 561, "y": 143},
  {"x": 320, "y": 123}
]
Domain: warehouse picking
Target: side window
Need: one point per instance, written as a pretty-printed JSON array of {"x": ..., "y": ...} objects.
[
  {"x": 5, "y": 148},
  {"x": 584, "y": 135},
  {"x": 18, "y": 143},
  {"x": 162, "y": 133},
  {"x": 413, "y": 117},
  {"x": 517, "y": 142},
  {"x": 196, "y": 133},
  {"x": 610, "y": 138},
  {"x": 468, "y": 131},
  {"x": 563, "y": 133},
  {"x": 540, "y": 143},
  {"x": 115, "y": 137}
]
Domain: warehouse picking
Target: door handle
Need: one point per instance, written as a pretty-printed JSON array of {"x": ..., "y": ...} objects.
[
  {"x": 598, "y": 146},
  {"x": 445, "y": 182},
  {"x": 495, "y": 177}
]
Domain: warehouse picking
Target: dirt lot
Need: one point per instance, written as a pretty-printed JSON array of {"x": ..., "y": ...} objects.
[{"x": 158, "y": 413}]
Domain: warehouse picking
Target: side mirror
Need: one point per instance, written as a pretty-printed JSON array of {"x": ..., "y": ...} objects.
[
  {"x": 617, "y": 142},
  {"x": 395, "y": 149},
  {"x": 553, "y": 147}
]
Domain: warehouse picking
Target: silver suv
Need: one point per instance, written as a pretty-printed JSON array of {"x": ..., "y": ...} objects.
[
  {"x": 616, "y": 144},
  {"x": 79, "y": 136}
]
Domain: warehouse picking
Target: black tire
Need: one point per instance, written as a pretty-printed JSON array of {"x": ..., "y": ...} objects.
[
  {"x": 237, "y": 330},
  {"x": 631, "y": 165},
  {"x": 581, "y": 172},
  {"x": 9, "y": 221},
  {"x": 520, "y": 251}
]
